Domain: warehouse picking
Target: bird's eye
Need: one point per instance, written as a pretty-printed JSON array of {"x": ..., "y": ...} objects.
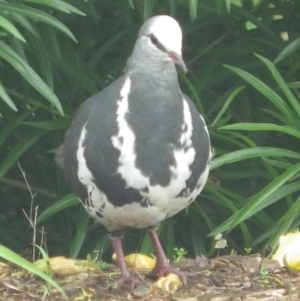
[{"x": 153, "y": 39}]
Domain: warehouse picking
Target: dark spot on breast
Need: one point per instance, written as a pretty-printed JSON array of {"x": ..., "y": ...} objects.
[
  {"x": 121, "y": 140},
  {"x": 146, "y": 189},
  {"x": 190, "y": 200},
  {"x": 185, "y": 127},
  {"x": 103, "y": 206},
  {"x": 92, "y": 204},
  {"x": 183, "y": 192},
  {"x": 186, "y": 149},
  {"x": 145, "y": 203},
  {"x": 99, "y": 214},
  {"x": 198, "y": 186}
]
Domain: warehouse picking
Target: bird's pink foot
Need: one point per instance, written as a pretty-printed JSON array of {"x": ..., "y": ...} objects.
[
  {"x": 128, "y": 280},
  {"x": 163, "y": 267}
]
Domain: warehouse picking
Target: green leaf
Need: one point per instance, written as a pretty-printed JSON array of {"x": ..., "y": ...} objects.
[
  {"x": 288, "y": 50},
  {"x": 4, "y": 23},
  {"x": 148, "y": 8},
  {"x": 58, "y": 124},
  {"x": 43, "y": 59},
  {"x": 20, "y": 261},
  {"x": 131, "y": 3},
  {"x": 29, "y": 74},
  {"x": 260, "y": 198},
  {"x": 227, "y": 103},
  {"x": 193, "y": 92},
  {"x": 286, "y": 90},
  {"x": 193, "y": 9},
  {"x": 262, "y": 127},
  {"x": 265, "y": 90},
  {"x": 248, "y": 153},
  {"x": 36, "y": 15},
  {"x": 10, "y": 127},
  {"x": 284, "y": 223},
  {"x": 6, "y": 98},
  {"x": 60, "y": 5},
  {"x": 23, "y": 21},
  {"x": 277, "y": 195},
  {"x": 82, "y": 227},
  {"x": 67, "y": 201},
  {"x": 19, "y": 149},
  {"x": 247, "y": 16},
  {"x": 228, "y": 2}
]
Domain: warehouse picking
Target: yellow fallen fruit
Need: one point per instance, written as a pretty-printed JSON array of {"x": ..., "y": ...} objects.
[
  {"x": 169, "y": 284},
  {"x": 61, "y": 266},
  {"x": 138, "y": 262},
  {"x": 288, "y": 252}
]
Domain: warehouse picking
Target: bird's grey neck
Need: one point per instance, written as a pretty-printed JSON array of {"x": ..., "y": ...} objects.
[{"x": 149, "y": 65}]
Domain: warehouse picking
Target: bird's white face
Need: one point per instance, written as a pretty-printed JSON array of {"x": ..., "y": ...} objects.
[
  {"x": 165, "y": 31},
  {"x": 162, "y": 36}
]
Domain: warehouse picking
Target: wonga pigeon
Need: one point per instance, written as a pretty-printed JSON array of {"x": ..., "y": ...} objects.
[{"x": 138, "y": 152}]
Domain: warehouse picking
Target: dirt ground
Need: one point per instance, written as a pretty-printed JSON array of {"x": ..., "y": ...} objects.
[{"x": 226, "y": 278}]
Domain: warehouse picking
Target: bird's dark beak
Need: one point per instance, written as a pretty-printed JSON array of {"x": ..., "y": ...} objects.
[{"x": 178, "y": 60}]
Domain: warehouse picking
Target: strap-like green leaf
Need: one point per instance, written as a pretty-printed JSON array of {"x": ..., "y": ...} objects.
[
  {"x": 13, "y": 123},
  {"x": 265, "y": 90},
  {"x": 67, "y": 201},
  {"x": 20, "y": 261},
  {"x": 193, "y": 9},
  {"x": 37, "y": 15},
  {"x": 264, "y": 193},
  {"x": 263, "y": 127},
  {"x": 284, "y": 87},
  {"x": 82, "y": 227},
  {"x": 19, "y": 149},
  {"x": 271, "y": 199},
  {"x": 248, "y": 153},
  {"x": 6, "y": 98},
  {"x": 288, "y": 50},
  {"x": 4, "y": 23},
  {"x": 60, "y": 5},
  {"x": 29, "y": 74}
]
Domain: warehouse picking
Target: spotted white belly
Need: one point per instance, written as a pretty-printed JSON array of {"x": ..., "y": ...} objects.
[{"x": 159, "y": 202}]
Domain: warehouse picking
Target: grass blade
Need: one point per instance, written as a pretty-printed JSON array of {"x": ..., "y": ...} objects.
[
  {"x": 286, "y": 90},
  {"x": 19, "y": 149},
  {"x": 20, "y": 261},
  {"x": 265, "y": 90},
  {"x": 252, "y": 153},
  {"x": 67, "y": 201},
  {"x": 8, "y": 129},
  {"x": 4, "y": 23},
  {"x": 82, "y": 227},
  {"x": 259, "y": 199},
  {"x": 6, "y": 98},
  {"x": 36, "y": 15},
  {"x": 288, "y": 50},
  {"x": 193, "y": 9},
  {"x": 227, "y": 103},
  {"x": 262, "y": 127},
  {"x": 29, "y": 74},
  {"x": 271, "y": 199},
  {"x": 59, "y": 5}
]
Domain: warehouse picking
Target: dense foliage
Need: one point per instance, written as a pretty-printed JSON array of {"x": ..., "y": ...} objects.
[{"x": 243, "y": 62}]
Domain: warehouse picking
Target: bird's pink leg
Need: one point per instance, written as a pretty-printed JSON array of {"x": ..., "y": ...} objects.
[
  {"x": 126, "y": 277},
  {"x": 162, "y": 267}
]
